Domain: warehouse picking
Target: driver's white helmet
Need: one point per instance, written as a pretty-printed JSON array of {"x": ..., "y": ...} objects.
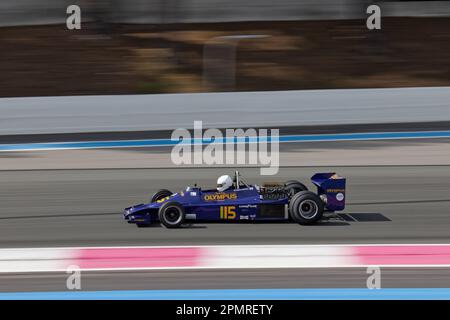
[{"x": 223, "y": 183}]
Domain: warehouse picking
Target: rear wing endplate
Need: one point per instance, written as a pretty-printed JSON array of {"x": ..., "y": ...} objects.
[{"x": 331, "y": 188}]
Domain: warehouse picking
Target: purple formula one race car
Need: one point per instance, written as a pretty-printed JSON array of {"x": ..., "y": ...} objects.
[{"x": 235, "y": 200}]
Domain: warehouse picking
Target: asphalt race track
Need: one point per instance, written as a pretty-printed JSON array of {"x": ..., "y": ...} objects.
[
  {"x": 398, "y": 191},
  {"x": 386, "y": 204},
  {"x": 404, "y": 204},
  {"x": 228, "y": 279}
]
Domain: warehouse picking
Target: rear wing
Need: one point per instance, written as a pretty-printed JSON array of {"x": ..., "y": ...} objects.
[{"x": 331, "y": 189}]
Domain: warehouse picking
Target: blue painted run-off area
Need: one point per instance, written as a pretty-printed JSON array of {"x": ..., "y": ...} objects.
[
  {"x": 240, "y": 294},
  {"x": 170, "y": 143}
]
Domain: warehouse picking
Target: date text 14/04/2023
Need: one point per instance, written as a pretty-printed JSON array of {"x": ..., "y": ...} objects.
[{"x": 231, "y": 309}]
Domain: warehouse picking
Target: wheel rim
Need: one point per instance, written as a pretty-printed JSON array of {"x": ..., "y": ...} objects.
[
  {"x": 308, "y": 209},
  {"x": 172, "y": 215}
]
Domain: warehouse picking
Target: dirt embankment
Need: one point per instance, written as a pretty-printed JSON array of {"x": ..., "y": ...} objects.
[{"x": 119, "y": 59}]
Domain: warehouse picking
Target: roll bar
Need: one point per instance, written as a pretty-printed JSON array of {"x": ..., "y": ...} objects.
[{"x": 238, "y": 180}]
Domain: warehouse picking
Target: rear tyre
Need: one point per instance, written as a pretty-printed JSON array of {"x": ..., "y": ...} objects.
[
  {"x": 291, "y": 181},
  {"x": 160, "y": 194},
  {"x": 293, "y": 187},
  {"x": 306, "y": 208},
  {"x": 171, "y": 215}
]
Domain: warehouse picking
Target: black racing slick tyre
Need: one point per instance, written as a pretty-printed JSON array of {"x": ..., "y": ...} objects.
[
  {"x": 171, "y": 215},
  {"x": 306, "y": 208},
  {"x": 293, "y": 186},
  {"x": 160, "y": 194},
  {"x": 291, "y": 181}
]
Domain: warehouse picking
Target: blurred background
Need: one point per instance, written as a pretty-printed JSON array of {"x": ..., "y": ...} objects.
[
  {"x": 266, "y": 55},
  {"x": 157, "y": 46}
]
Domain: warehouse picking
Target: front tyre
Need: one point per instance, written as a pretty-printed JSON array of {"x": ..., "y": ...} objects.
[
  {"x": 306, "y": 208},
  {"x": 160, "y": 194},
  {"x": 171, "y": 215}
]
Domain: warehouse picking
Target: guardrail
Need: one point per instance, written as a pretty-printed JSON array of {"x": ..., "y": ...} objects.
[
  {"x": 33, "y": 12},
  {"x": 222, "y": 110}
]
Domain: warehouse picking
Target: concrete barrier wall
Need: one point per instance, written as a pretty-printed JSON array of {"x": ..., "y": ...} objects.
[
  {"x": 195, "y": 11},
  {"x": 32, "y": 12},
  {"x": 222, "y": 110},
  {"x": 416, "y": 8}
]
